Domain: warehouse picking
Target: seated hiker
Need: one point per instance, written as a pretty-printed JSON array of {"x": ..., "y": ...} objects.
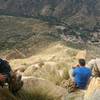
[
  {"x": 8, "y": 76},
  {"x": 94, "y": 65},
  {"x": 80, "y": 75}
]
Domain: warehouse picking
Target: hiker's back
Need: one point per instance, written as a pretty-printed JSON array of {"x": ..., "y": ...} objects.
[
  {"x": 13, "y": 79},
  {"x": 82, "y": 75}
]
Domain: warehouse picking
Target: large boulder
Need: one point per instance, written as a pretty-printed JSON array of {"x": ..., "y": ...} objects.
[
  {"x": 93, "y": 91},
  {"x": 94, "y": 65},
  {"x": 78, "y": 95},
  {"x": 47, "y": 70},
  {"x": 31, "y": 69},
  {"x": 50, "y": 66},
  {"x": 35, "y": 89},
  {"x": 39, "y": 86}
]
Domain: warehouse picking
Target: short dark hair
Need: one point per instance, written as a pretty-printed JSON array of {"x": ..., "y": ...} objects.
[{"x": 82, "y": 62}]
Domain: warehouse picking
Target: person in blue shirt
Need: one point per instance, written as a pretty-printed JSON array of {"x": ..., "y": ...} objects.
[{"x": 81, "y": 74}]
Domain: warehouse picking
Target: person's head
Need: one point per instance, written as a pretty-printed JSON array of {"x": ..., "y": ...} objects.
[{"x": 82, "y": 62}]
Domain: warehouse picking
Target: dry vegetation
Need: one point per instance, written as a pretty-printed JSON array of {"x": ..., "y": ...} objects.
[{"x": 39, "y": 42}]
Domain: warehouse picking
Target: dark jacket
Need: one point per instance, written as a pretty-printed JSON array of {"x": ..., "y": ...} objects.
[{"x": 5, "y": 68}]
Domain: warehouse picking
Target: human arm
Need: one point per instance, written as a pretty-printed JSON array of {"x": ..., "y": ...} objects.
[
  {"x": 2, "y": 77},
  {"x": 74, "y": 72}
]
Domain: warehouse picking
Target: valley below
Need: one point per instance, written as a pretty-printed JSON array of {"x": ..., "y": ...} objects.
[{"x": 43, "y": 52}]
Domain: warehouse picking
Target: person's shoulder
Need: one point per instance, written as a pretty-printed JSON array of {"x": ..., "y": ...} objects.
[{"x": 88, "y": 69}]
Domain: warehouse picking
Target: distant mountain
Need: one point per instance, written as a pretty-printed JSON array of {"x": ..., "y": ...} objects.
[
  {"x": 80, "y": 18},
  {"x": 56, "y": 8}
]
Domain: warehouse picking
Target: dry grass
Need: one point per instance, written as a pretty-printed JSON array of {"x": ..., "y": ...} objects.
[
  {"x": 31, "y": 94},
  {"x": 18, "y": 32},
  {"x": 57, "y": 56},
  {"x": 39, "y": 94},
  {"x": 39, "y": 45}
]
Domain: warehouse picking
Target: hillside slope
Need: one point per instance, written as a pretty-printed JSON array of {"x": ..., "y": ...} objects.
[
  {"x": 51, "y": 7},
  {"x": 31, "y": 36},
  {"x": 25, "y": 34},
  {"x": 42, "y": 46}
]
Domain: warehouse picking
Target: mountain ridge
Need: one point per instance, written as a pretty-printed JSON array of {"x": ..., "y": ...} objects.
[{"x": 57, "y": 8}]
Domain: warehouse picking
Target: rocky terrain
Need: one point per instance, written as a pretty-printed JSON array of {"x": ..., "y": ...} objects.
[
  {"x": 42, "y": 39},
  {"x": 43, "y": 54}
]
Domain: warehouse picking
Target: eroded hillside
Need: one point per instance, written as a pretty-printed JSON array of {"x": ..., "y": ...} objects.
[
  {"x": 82, "y": 12},
  {"x": 30, "y": 36},
  {"x": 41, "y": 38},
  {"x": 50, "y": 7},
  {"x": 44, "y": 55},
  {"x": 25, "y": 33}
]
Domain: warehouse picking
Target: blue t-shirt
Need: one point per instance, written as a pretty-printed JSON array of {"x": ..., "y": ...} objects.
[{"x": 82, "y": 75}]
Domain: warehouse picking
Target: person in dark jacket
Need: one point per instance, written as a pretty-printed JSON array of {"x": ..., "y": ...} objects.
[
  {"x": 5, "y": 71},
  {"x": 10, "y": 77}
]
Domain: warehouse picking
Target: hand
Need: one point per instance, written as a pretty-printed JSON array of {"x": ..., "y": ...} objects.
[
  {"x": 75, "y": 66},
  {"x": 2, "y": 77}
]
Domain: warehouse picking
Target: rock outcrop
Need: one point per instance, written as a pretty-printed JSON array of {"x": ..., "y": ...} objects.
[
  {"x": 33, "y": 84},
  {"x": 93, "y": 91},
  {"x": 35, "y": 88},
  {"x": 31, "y": 69},
  {"x": 78, "y": 95}
]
